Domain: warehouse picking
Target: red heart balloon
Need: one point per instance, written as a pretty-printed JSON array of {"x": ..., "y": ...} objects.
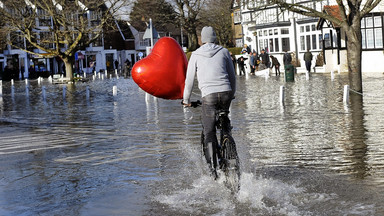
[{"x": 162, "y": 73}]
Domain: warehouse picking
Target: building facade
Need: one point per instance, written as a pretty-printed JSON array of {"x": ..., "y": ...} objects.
[
  {"x": 116, "y": 44},
  {"x": 277, "y": 31}
]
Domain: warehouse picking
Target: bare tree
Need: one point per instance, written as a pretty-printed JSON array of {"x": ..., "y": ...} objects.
[
  {"x": 57, "y": 28},
  {"x": 188, "y": 13},
  {"x": 162, "y": 14},
  {"x": 217, "y": 14},
  {"x": 351, "y": 13}
]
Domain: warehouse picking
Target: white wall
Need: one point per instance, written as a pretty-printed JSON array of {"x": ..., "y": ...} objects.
[{"x": 373, "y": 61}]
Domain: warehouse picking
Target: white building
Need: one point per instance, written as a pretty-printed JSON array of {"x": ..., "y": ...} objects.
[
  {"x": 100, "y": 55},
  {"x": 275, "y": 31}
]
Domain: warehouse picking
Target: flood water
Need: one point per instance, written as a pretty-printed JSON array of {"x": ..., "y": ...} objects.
[{"x": 131, "y": 155}]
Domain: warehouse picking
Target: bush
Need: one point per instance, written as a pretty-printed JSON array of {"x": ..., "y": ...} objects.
[
  {"x": 235, "y": 50},
  {"x": 188, "y": 54},
  {"x": 319, "y": 59},
  {"x": 294, "y": 63}
]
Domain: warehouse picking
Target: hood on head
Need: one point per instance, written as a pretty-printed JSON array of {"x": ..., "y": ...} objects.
[
  {"x": 208, "y": 50},
  {"x": 208, "y": 35}
]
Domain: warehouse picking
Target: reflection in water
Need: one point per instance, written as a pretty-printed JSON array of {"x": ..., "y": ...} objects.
[
  {"x": 358, "y": 149},
  {"x": 96, "y": 154}
]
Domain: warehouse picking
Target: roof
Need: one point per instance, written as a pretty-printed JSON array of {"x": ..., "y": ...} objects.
[{"x": 332, "y": 10}]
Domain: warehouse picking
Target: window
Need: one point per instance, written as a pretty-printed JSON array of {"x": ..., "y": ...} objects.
[
  {"x": 46, "y": 40},
  {"x": 276, "y": 32},
  {"x": 320, "y": 41},
  {"x": 314, "y": 42},
  {"x": 247, "y": 17},
  {"x": 335, "y": 39},
  {"x": 285, "y": 44},
  {"x": 377, "y": 21},
  {"x": 271, "y": 45},
  {"x": 266, "y": 44},
  {"x": 301, "y": 28},
  {"x": 302, "y": 43},
  {"x": 369, "y": 22},
  {"x": 236, "y": 17},
  {"x": 95, "y": 18},
  {"x": 378, "y": 38},
  {"x": 308, "y": 42},
  {"x": 17, "y": 40},
  {"x": 370, "y": 38},
  {"x": 276, "y": 44},
  {"x": 261, "y": 44},
  {"x": 44, "y": 18},
  {"x": 327, "y": 40},
  {"x": 98, "y": 42},
  {"x": 239, "y": 42},
  {"x": 285, "y": 31},
  {"x": 372, "y": 32},
  {"x": 363, "y": 40},
  {"x": 270, "y": 32},
  {"x": 307, "y": 28},
  {"x": 313, "y": 27}
]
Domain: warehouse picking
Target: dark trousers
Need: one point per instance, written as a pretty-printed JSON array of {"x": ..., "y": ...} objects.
[
  {"x": 241, "y": 70},
  {"x": 308, "y": 65},
  {"x": 252, "y": 69},
  {"x": 213, "y": 103},
  {"x": 277, "y": 68}
]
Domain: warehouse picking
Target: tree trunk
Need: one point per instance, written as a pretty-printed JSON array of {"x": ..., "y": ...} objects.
[
  {"x": 69, "y": 61},
  {"x": 193, "y": 41},
  {"x": 354, "y": 55}
]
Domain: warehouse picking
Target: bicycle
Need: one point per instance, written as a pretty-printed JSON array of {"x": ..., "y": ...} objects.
[{"x": 224, "y": 155}]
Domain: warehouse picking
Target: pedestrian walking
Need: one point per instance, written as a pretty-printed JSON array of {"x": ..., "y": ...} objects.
[{"x": 308, "y": 60}]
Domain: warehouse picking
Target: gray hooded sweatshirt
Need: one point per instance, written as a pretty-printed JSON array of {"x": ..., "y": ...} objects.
[{"x": 215, "y": 72}]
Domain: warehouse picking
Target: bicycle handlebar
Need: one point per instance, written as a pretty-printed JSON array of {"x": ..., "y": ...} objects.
[{"x": 193, "y": 104}]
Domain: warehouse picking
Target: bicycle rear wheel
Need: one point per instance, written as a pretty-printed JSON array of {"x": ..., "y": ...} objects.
[{"x": 231, "y": 164}]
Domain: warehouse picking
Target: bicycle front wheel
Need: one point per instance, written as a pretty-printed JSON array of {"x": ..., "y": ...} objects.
[{"x": 231, "y": 165}]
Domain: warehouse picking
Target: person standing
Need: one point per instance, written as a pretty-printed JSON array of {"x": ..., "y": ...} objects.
[
  {"x": 264, "y": 60},
  {"x": 241, "y": 63},
  {"x": 217, "y": 82},
  {"x": 252, "y": 62},
  {"x": 289, "y": 69},
  {"x": 116, "y": 64},
  {"x": 256, "y": 61},
  {"x": 246, "y": 49},
  {"x": 233, "y": 58},
  {"x": 287, "y": 58},
  {"x": 308, "y": 60},
  {"x": 276, "y": 64}
]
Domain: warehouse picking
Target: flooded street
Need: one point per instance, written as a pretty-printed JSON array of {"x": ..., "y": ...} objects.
[{"x": 101, "y": 154}]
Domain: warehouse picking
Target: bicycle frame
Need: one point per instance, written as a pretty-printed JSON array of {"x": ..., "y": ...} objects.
[
  {"x": 215, "y": 151},
  {"x": 223, "y": 154}
]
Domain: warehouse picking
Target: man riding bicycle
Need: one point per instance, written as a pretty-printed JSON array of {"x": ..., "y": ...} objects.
[{"x": 217, "y": 82}]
